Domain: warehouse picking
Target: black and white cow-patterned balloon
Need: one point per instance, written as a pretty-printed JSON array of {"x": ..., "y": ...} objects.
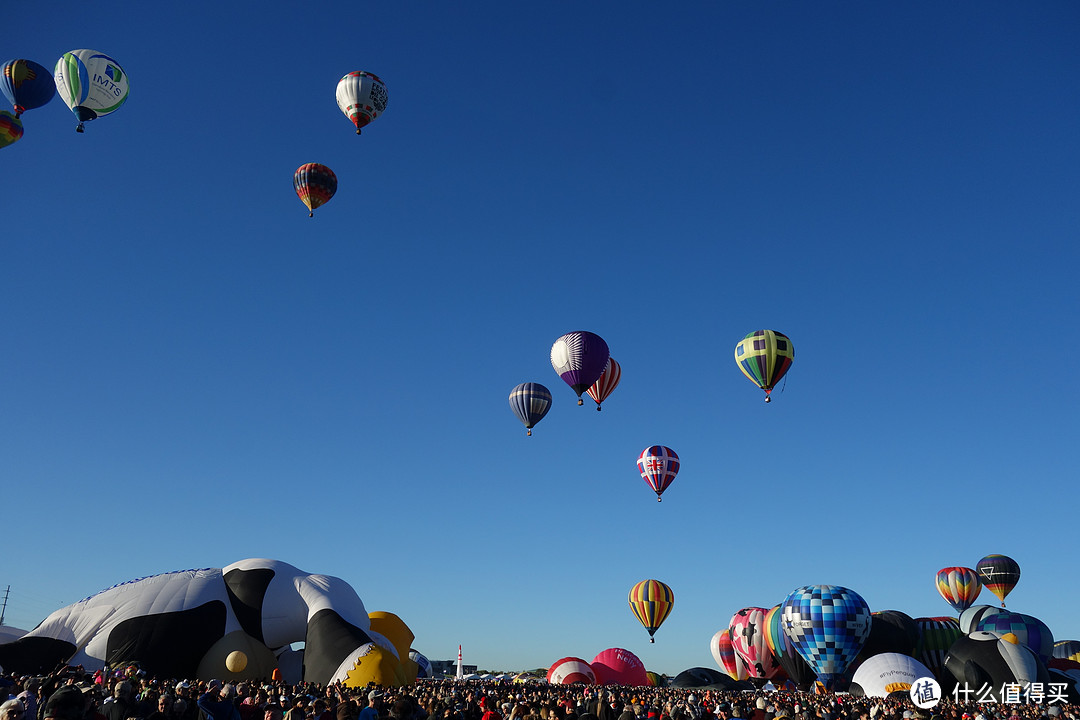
[{"x": 229, "y": 623}]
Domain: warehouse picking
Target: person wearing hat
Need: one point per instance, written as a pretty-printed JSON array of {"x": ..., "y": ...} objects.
[
  {"x": 67, "y": 703},
  {"x": 371, "y": 712}
]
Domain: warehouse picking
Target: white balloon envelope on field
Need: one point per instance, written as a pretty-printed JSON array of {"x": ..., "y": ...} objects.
[
  {"x": 92, "y": 84},
  {"x": 885, "y": 673}
]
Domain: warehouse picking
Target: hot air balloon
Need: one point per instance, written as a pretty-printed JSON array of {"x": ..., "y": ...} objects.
[
  {"x": 362, "y": 97},
  {"x": 651, "y": 601},
  {"x": 26, "y": 84},
  {"x": 11, "y": 128},
  {"x": 780, "y": 646},
  {"x": 936, "y": 636},
  {"x": 1067, "y": 650},
  {"x": 748, "y": 639},
  {"x": 91, "y": 84},
  {"x": 891, "y": 631},
  {"x": 828, "y": 625},
  {"x": 570, "y": 670},
  {"x": 580, "y": 359},
  {"x": 618, "y": 666},
  {"x": 959, "y": 586},
  {"x": 971, "y": 617},
  {"x": 883, "y": 674},
  {"x": 1027, "y": 629},
  {"x": 987, "y": 662},
  {"x": 530, "y": 402},
  {"x": 765, "y": 356},
  {"x": 724, "y": 654},
  {"x": 999, "y": 573},
  {"x": 315, "y": 184},
  {"x": 607, "y": 382},
  {"x": 658, "y": 466}
]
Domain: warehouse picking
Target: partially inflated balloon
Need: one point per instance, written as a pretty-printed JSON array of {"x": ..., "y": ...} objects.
[
  {"x": 936, "y": 636},
  {"x": 92, "y": 84},
  {"x": 530, "y": 403},
  {"x": 987, "y": 662},
  {"x": 1027, "y": 629},
  {"x": 828, "y": 625},
  {"x": 748, "y": 639},
  {"x": 362, "y": 97},
  {"x": 570, "y": 670},
  {"x": 651, "y": 601},
  {"x": 883, "y": 674},
  {"x": 959, "y": 586},
  {"x": 764, "y": 356},
  {"x": 617, "y": 666},
  {"x": 971, "y": 617},
  {"x": 1067, "y": 650},
  {"x": 999, "y": 573},
  {"x": 580, "y": 359},
  {"x": 658, "y": 466},
  {"x": 781, "y": 647},
  {"x": 26, "y": 85},
  {"x": 11, "y": 128},
  {"x": 607, "y": 382},
  {"x": 724, "y": 654},
  {"x": 314, "y": 184}
]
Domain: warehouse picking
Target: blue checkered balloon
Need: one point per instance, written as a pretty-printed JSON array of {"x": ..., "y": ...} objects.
[{"x": 828, "y": 625}]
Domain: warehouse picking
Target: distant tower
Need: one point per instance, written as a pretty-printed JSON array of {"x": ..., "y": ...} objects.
[{"x": 460, "y": 675}]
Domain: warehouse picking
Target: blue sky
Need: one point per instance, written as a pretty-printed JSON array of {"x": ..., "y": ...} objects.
[{"x": 194, "y": 372}]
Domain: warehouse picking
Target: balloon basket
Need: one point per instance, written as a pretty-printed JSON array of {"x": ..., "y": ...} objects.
[
  {"x": 529, "y": 433},
  {"x": 580, "y": 401},
  {"x": 652, "y": 640},
  {"x": 597, "y": 408},
  {"x": 80, "y": 128},
  {"x": 311, "y": 214}
]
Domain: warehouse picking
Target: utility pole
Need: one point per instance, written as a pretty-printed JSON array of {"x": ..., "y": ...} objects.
[{"x": 3, "y": 609}]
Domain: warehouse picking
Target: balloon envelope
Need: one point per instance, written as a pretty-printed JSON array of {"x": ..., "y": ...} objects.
[
  {"x": 1028, "y": 630},
  {"x": 985, "y": 659},
  {"x": 936, "y": 636},
  {"x": 90, "y": 83},
  {"x": 999, "y": 573},
  {"x": 651, "y": 601},
  {"x": 780, "y": 645},
  {"x": 362, "y": 97},
  {"x": 724, "y": 654},
  {"x": 579, "y": 358},
  {"x": 1067, "y": 650},
  {"x": 570, "y": 670},
  {"x": 828, "y": 625},
  {"x": 606, "y": 383},
  {"x": 748, "y": 639},
  {"x": 314, "y": 184},
  {"x": 617, "y": 666},
  {"x": 530, "y": 403},
  {"x": 658, "y": 466},
  {"x": 883, "y": 674},
  {"x": 959, "y": 586},
  {"x": 11, "y": 128},
  {"x": 764, "y": 356},
  {"x": 26, "y": 85}
]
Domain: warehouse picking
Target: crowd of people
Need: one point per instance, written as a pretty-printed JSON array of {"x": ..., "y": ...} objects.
[{"x": 70, "y": 694}]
